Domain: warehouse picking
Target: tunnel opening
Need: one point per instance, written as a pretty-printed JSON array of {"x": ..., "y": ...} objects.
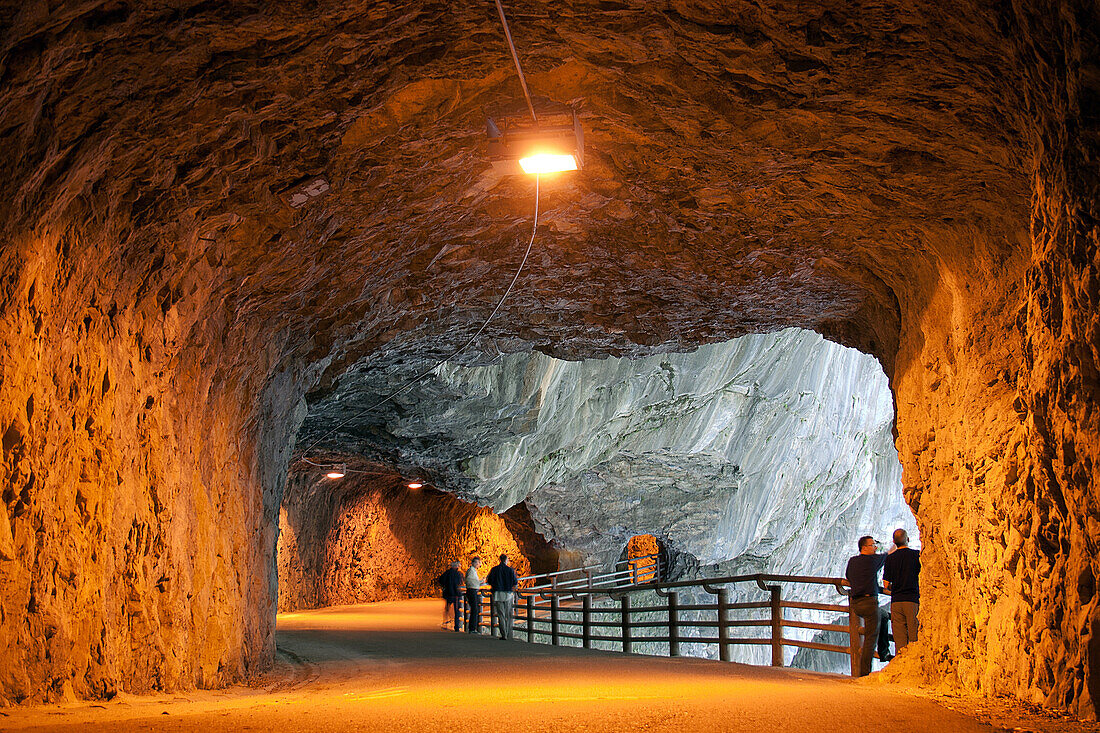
[
  {"x": 162, "y": 327},
  {"x": 768, "y": 453},
  {"x": 365, "y": 540}
]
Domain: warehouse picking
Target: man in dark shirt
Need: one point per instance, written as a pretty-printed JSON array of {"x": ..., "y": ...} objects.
[
  {"x": 451, "y": 582},
  {"x": 900, "y": 578},
  {"x": 862, "y": 575},
  {"x": 503, "y": 581}
]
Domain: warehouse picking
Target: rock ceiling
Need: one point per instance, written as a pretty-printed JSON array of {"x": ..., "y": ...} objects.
[
  {"x": 213, "y": 210},
  {"x": 747, "y": 168}
]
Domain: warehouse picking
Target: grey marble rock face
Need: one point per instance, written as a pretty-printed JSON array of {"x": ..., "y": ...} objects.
[
  {"x": 768, "y": 453},
  {"x": 765, "y": 453}
]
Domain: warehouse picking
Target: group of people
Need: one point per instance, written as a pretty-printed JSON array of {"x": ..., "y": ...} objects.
[
  {"x": 900, "y": 567},
  {"x": 502, "y": 580}
]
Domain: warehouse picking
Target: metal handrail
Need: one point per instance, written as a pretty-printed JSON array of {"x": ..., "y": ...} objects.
[
  {"x": 635, "y": 569},
  {"x": 532, "y": 601}
]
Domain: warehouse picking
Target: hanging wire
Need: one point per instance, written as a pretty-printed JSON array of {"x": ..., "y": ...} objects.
[
  {"x": 515, "y": 58},
  {"x": 412, "y": 382},
  {"x": 534, "y": 227}
]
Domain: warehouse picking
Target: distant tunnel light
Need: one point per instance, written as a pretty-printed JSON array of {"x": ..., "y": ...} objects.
[
  {"x": 548, "y": 163},
  {"x": 415, "y": 485}
]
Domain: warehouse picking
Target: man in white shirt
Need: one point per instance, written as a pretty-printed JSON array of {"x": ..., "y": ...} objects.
[{"x": 473, "y": 597}]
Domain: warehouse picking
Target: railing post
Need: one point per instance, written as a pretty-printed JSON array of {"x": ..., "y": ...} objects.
[
  {"x": 723, "y": 625},
  {"x": 625, "y": 603},
  {"x": 554, "y": 619},
  {"x": 853, "y": 638},
  {"x": 673, "y": 624},
  {"x": 531, "y": 618},
  {"x": 492, "y": 615},
  {"x": 586, "y": 620},
  {"x": 588, "y": 577},
  {"x": 777, "y": 625}
]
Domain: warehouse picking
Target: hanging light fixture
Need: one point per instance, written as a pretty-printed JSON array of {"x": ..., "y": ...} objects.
[
  {"x": 553, "y": 143},
  {"x": 415, "y": 485},
  {"x": 337, "y": 472}
]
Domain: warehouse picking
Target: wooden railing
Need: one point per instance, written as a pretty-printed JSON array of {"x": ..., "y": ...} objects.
[{"x": 553, "y": 613}]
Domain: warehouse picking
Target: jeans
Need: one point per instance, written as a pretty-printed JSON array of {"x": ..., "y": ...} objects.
[
  {"x": 456, "y": 603},
  {"x": 473, "y": 611}
]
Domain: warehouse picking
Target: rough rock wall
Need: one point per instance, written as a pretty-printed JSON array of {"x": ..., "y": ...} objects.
[
  {"x": 364, "y": 540},
  {"x": 123, "y": 468},
  {"x": 997, "y": 391}
]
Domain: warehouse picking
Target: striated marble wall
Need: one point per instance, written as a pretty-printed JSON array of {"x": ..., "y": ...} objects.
[{"x": 766, "y": 452}]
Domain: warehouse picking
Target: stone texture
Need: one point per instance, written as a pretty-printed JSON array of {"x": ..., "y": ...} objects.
[
  {"x": 768, "y": 453},
  {"x": 369, "y": 539},
  {"x": 915, "y": 179},
  {"x": 776, "y": 449}
]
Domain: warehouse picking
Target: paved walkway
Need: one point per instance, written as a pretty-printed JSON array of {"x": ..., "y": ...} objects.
[{"x": 388, "y": 667}]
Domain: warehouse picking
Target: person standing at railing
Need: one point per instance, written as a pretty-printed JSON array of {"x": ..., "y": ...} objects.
[
  {"x": 473, "y": 597},
  {"x": 503, "y": 580},
  {"x": 862, "y": 575},
  {"x": 901, "y": 580},
  {"x": 451, "y": 583}
]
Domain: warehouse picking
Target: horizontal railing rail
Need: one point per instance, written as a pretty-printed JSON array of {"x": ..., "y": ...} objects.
[
  {"x": 557, "y": 611},
  {"x": 625, "y": 572}
]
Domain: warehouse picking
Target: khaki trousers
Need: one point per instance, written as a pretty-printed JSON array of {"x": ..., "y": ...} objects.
[
  {"x": 502, "y": 604},
  {"x": 903, "y": 619}
]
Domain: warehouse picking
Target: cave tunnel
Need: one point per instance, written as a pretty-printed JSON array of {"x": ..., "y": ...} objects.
[
  {"x": 228, "y": 229},
  {"x": 375, "y": 539}
]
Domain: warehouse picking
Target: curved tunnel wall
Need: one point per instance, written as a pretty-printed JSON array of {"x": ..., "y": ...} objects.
[
  {"x": 147, "y": 252},
  {"x": 367, "y": 540}
]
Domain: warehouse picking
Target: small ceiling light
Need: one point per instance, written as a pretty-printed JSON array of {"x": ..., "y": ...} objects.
[
  {"x": 337, "y": 472},
  {"x": 415, "y": 485},
  {"x": 520, "y": 145}
]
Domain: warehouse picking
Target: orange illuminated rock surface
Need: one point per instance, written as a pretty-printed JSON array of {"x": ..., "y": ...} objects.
[
  {"x": 389, "y": 542},
  {"x": 386, "y": 666},
  {"x": 210, "y": 213}
]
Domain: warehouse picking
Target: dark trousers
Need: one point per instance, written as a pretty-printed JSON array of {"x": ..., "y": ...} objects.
[
  {"x": 883, "y": 634},
  {"x": 867, "y": 610},
  {"x": 473, "y": 611},
  {"x": 456, "y": 602}
]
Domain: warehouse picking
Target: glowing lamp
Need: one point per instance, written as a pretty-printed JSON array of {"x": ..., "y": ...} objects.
[
  {"x": 415, "y": 485},
  {"x": 519, "y": 145},
  {"x": 548, "y": 163},
  {"x": 336, "y": 473}
]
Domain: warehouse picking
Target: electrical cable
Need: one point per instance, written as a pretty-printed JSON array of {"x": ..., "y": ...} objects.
[
  {"x": 346, "y": 469},
  {"x": 515, "y": 58},
  {"x": 534, "y": 228},
  {"x": 412, "y": 382}
]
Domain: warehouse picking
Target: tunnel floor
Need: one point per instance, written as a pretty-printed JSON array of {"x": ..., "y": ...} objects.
[{"x": 388, "y": 666}]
